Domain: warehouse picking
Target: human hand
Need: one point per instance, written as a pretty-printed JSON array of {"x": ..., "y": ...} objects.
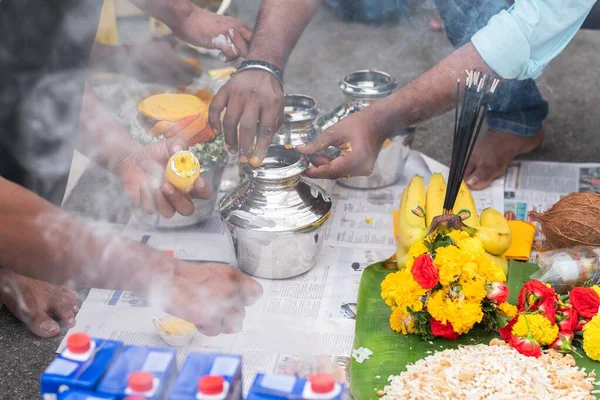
[
  {"x": 212, "y": 31},
  {"x": 142, "y": 175},
  {"x": 158, "y": 62},
  {"x": 193, "y": 129},
  {"x": 35, "y": 303},
  {"x": 212, "y": 296},
  {"x": 254, "y": 102},
  {"x": 359, "y": 140}
]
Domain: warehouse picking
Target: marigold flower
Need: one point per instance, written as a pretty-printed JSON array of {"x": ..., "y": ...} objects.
[
  {"x": 507, "y": 309},
  {"x": 591, "y": 338},
  {"x": 542, "y": 330},
  {"x": 401, "y": 321}
]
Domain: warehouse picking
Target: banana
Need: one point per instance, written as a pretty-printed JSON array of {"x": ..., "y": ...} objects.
[
  {"x": 465, "y": 207},
  {"x": 494, "y": 232},
  {"x": 436, "y": 193},
  {"x": 411, "y": 225},
  {"x": 499, "y": 261},
  {"x": 401, "y": 256}
]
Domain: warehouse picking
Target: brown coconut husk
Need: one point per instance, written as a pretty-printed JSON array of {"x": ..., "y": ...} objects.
[{"x": 573, "y": 221}]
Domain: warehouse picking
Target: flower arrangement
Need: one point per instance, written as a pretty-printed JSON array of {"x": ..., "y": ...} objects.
[
  {"x": 546, "y": 320},
  {"x": 447, "y": 287}
]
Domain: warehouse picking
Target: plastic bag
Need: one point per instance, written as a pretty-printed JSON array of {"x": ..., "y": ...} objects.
[{"x": 567, "y": 268}]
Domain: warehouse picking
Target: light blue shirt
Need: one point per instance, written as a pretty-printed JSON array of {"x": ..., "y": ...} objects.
[{"x": 518, "y": 43}]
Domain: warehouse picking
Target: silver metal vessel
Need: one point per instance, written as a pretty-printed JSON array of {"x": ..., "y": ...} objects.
[
  {"x": 300, "y": 115},
  {"x": 276, "y": 217},
  {"x": 361, "y": 89},
  {"x": 211, "y": 172}
]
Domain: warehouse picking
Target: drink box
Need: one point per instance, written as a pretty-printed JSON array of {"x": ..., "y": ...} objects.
[
  {"x": 205, "y": 376},
  {"x": 277, "y": 387},
  {"x": 83, "y": 395},
  {"x": 80, "y": 365},
  {"x": 140, "y": 371}
]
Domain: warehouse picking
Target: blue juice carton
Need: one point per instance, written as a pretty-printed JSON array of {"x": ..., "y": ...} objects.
[
  {"x": 276, "y": 387},
  {"x": 139, "y": 371},
  {"x": 83, "y": 395},
  {"x": 209, "y": 376},
  {"x": 80, "y": 365}
]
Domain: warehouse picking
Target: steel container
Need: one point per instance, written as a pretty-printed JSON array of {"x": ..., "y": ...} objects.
[
  {"x": 299, "y": 123},
  {"x": 276, "y": 217}
]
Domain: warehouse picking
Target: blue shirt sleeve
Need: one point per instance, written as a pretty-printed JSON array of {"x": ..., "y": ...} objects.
[{"x": 518, "y": 43}]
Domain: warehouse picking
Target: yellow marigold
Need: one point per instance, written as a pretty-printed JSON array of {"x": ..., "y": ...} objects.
[
  {"x": 489, "y": 270},
  {"x": 458, "y": 236},
  {"x": 508, "y": 309},
  {"x": 539, "y": 326},
  {"x": 472, "y": 286},
  {"x": 596, "y": 289},
  {"x": 471, "y": 248},
  {"x": 449, "y": 261},
  {"x": 401, "y": 321},
  {"x": 591, "y": 336},
  {"x": 415, "y": 251},
  {"x": 461, "y": 313},
  {"x": 399, "y": 289}
]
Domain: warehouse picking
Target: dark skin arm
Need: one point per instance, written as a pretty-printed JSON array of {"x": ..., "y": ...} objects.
[
  {"x": 254, "y": 99},
  {"x": 361, "y": 135}
]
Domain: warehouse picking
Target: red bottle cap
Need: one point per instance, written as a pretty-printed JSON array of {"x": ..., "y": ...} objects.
[
  {"x": 79, "y": 342},
  {"x": 322, "y": 383},
  {"x": 211, "y": 384},
  {"x": 140, "y": 382}
]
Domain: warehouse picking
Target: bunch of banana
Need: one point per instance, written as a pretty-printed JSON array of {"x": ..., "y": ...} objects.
[{"x": 419, "y": 207}]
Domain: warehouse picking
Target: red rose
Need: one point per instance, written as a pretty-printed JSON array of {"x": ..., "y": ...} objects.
[
  {"x": 547, "y": 307},
  {"x": 497, "y": 292},
  {"x": 424, "y": 272},
  {"x": 585, "y": 301},
  {"x": 442, "y": 330},
  {"x": 567, "y": 319},
  {"x": 527, "y": 346},
  {"x": 563, "y": 342},
  {"x": 506, "y": 332},
  {"x": 538, "y": 290}
]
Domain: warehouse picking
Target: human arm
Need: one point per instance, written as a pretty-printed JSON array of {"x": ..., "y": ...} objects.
[
  {"x": 40, "y": 241},
  {"x": 520, "y": 42},
  {"x": 254, "y": 98},
  {"x": 199, "y": 27}
]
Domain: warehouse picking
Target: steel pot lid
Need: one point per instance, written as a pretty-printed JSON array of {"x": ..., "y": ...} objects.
[
  {"x": 279, "y": 164},
  {"x": 368, "y": 84},
  {"x": 299, "y": 108}
]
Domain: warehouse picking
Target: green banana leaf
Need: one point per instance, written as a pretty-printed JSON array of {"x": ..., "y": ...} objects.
[{"x": 393, "y": 351}]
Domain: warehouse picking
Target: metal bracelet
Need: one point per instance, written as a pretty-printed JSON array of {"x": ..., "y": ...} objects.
[{"x": 259, "y": 67}]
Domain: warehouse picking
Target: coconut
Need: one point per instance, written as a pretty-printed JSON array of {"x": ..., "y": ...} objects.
[{"x": 573, "y": 221}]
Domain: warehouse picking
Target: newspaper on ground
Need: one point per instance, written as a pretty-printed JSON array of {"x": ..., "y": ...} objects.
[{"x": 309, "y": 315}]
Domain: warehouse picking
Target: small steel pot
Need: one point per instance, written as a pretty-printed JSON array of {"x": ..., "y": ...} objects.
[
  {"x": 276, "y": 217},
  {"x": 211, "y": 172},
  {"x": 361, "y": 89},
  {"x": 300, "y": 115}
]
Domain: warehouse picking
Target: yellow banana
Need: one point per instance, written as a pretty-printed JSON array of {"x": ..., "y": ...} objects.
[
  {"x": 401, "y": 256},
  {"x": 436, "y": 193},
  {"x": 465, "y": 207},
  {"x": 499, "y": 261},
  {"x": 411, "y": 225},
  {"x": 494, "y": 232}
]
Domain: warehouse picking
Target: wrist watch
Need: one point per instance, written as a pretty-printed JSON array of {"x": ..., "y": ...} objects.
[{"x": 261, "y": 65}]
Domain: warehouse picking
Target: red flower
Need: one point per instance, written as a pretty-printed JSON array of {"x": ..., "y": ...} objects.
[
  {"x": 548, "y": 308},
  {"x": 527, "y": 346},
  {"x": 506, "y": 332},
  {"x": 563, "y": 342},
  {"x": 424, "y": 272},
  {"x": 539, "y": 292},
  {"x": 497, "y": 292},
  {"x": 442, "y": 330},
  {"x": 585, "y": 300},
  {"x": 567, "y": 319}
]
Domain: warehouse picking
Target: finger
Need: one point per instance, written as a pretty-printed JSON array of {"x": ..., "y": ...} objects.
[
  {"x": 268, "y": 126},
  {"x": 174, "y": 146},
  {"x": 225, "y": 44},
  {"x": 319, "y": 159},
  {"x": 342, "y": 166},
  {"x": 193, "y": 128},
  {"x": 179, "y": 125},
  {"x": 146, "y": 199},
  {"x": 165, "y": 208},
  {"x": 239, "y": 42},
  {"x": 321, "y": 142},
  {"x": 233, "y": 320},
  {"x": 230, "y": 124},
  {"x": 213, "y": 329},
  {"x": 160, "y": 128},
  {"x": 182, "y": 203},
  {"x": 250, "y": 289},
  {"x": 246, "y": 32},
  {"x": 247, "y": 131},
  {"x": 215, "y": 109},
  {"x": 201, "y": 190}
]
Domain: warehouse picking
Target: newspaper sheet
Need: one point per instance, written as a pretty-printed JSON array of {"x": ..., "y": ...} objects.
[
  {"x": 537, "y": 186},
  {"x": 313, "y": 313}
]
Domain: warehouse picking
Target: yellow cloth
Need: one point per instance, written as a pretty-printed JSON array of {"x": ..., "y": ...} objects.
[
  {"x": 108, "y": 33},
  {"x": 523, "y": 234}
]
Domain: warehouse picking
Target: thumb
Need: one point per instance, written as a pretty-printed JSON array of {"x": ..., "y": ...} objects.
[
  {"x": 320, "y": 143},
  {"x": 175, "y": 145}
]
